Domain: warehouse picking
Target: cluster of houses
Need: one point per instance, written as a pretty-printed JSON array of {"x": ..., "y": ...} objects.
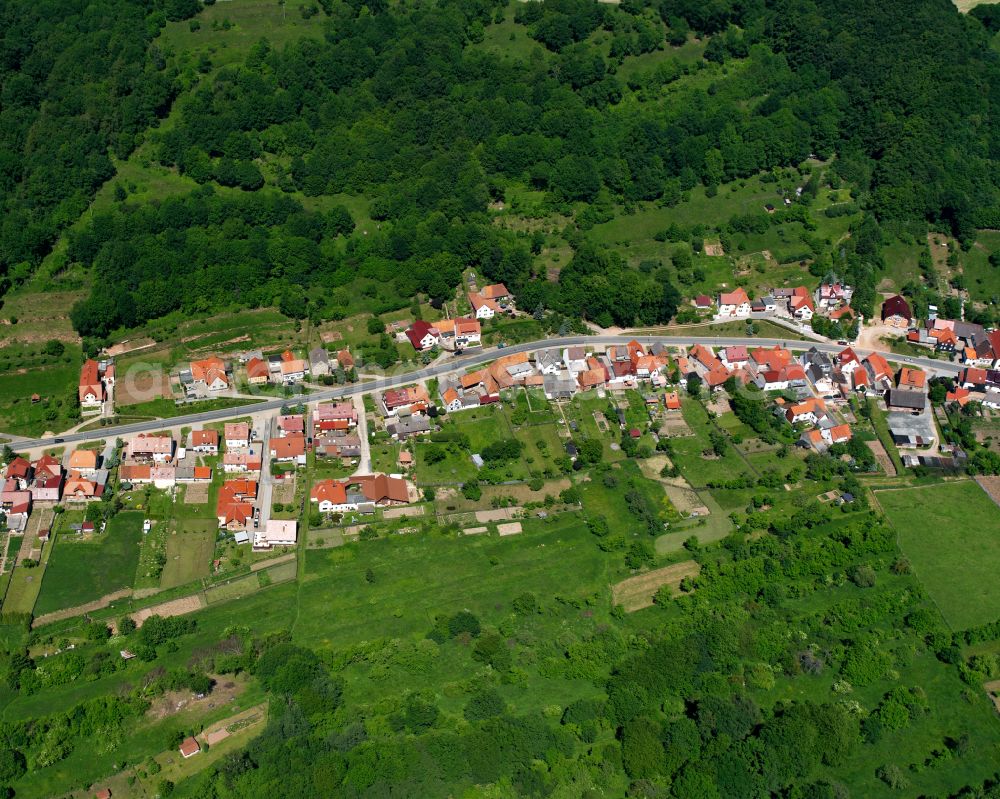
[
  {"x": 975, "y": 384},
  {"x": 155, "y": 459},
  {"x": 832, "y": 300},
  {"x": 462, "y": 333},
  {"x": 822, "y": 430},
  {"x": 971, "y": 342},
  {"x": 213, "y": 375},
  {"x": 48, "y": 480},
  {"x": 360, "y": 494}
]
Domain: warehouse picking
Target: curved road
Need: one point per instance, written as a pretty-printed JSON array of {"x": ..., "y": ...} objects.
[{"x": 460, "y": 362}]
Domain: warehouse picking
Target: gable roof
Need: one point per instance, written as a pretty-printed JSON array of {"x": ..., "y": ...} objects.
[
  {"x": 204, "y": 438},
  {"x": 418, "y": 331},
  {"x": 495, "y": 291},
  {"x": 737, "y": 297},
  {"x": 208, "y": 370},
  {"x": 257, "y": 368},
  {"x": 896, "y": 306},
  {"x": 332, "y": 491}
]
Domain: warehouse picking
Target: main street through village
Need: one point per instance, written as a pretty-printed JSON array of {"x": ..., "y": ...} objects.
[{"x": 462, "y": 362}]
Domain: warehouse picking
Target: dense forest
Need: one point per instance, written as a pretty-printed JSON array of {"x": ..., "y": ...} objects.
[
  {"x": 80, "y": 84},
  {"x": 399, "y": 107}
]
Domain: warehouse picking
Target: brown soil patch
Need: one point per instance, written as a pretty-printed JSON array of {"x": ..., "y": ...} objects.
[
  {"x": 674, "y": 426},
  {"x": 142, "y": 383},
  {"x": 329, "y": 336},
  {"x": 402, "y": 511},
  {"x": 714, "y": 249},
  {"x": 176, "y": 607},
  {"x": 637, "y": 592},
  {"x": 882, "y": 457},
  {"x": 130, "y": 346},
  {"x": 225, "y": 691},
  {"x": 991, "y": 485},
  {"x": 196, "y": 494},
  {"x": 510, "y": 528},
  {"x": 499, "y": 514}
]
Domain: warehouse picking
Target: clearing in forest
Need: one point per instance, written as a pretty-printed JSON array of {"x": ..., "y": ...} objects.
[{"x": 637, "y": 592}]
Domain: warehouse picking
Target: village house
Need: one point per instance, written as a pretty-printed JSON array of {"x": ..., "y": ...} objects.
[
  {"x": 809, "y": 410},
  {"x": 575, "y": 359},
  {"x": 452, "y": 400},
  {"x": 330, "y": 496},
  {"x": 549, "y": 362},
  {"x": 83, "y": 462},
  {"x": 831, "y": 296},
  {"x": 801, "y": 305},
  {"x": 412, "y": 398},
  {"x": 146, "y": 447},
  {"x": 337, "y": 417},
  {"x": 234, "y": 507},
  {"x": 496, "y": 292},
  {"x": 382, "y": 489},
  {"x": 734, "y": 303},
  {"x": 81, "y": 489},
  {"x": 879, "y": 373},
  {"x": 92, "y": 391},
  {"x": 319, "y": 362},
  {"x": 735, "y": 357},
  {"x": 483, "y": 308},
  {"x": 204, "y": 441},
  {"x": 896, "y": 312},
  {"x": 459, "y": 334},
  {"x": 345, "y": 359},
  {"x": 291, "y": 370},
  {"x": 912, "y": 379},
  {"x": 702, "y": 302},
  {"x": 258, "y": 373},
  {"x": 347, "y": 447},
  {"x": 236, "y": 435},
  {"x": 290, "y": 448},
  {"x": 276, "y": 533},
  {"x": 290, "y": 424},
  {"x": 423, "y": 335},
  {"x": 242, "y": 460},
  {"x": 209, "y": 374},
  {"x": 409, "y": 426}
]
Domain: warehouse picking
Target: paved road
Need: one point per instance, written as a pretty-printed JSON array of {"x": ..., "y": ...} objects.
[{"x": 460, "y": 362}]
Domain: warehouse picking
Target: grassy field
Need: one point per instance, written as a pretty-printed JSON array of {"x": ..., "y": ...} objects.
[
  {"x": 81, "y": 571},
  {"x": 690, "y": 451},
  {"x": 57, "y": 410},
  {"x": 189, "y": 549},
  {"x": 951, "y": 534}
]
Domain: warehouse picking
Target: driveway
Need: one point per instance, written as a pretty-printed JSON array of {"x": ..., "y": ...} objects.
[{"x": 365, "y": 461}]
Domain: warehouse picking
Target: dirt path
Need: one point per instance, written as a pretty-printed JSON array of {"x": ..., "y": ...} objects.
[
  {"x": 79, "y": 610},
  {"x": 264, "y": 564}
]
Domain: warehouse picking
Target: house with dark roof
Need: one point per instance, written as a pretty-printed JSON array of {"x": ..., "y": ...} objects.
[
  {"x": 896, "y": 312},
  {"x": 423, "y": 335}
]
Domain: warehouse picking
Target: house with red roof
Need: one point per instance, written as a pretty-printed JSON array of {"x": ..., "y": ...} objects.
[
  {"x": 210, "y": 374},
  {"x": 234, "y": 506},
  {"x": 483, "y": 307},
  {"x": 290, "y": 448},
  {"x": 335, "y": 417},
  {"x": 496, "y": 292},
  {"x": 236, "y": 435},
  {"x": 703, "y": 302},
  {"x": 205, "y": 441},
  {"x": 801, "y": 305},
  {"x": 258, "y": 373},
  {"x": 734, "y": 303},
  {"x": 423, "y": 335},
  {"x": 330, "y": 496},
  {"x": 879, "y": 373},
  {"x": 91, "y": 389}
]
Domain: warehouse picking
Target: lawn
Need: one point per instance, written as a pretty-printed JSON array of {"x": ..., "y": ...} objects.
[
  {"x": 417, "y": 577},
  {"x": 689, "y": 451},
  {"x": 951, "y": 534},
  {"x": 57, "y": 410},
  {"x": 190, "y": 545},
  {"x": 82, "y": 571}
]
